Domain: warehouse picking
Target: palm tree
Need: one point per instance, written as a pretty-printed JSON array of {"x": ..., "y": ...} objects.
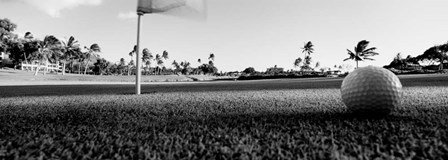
[
  {"x": 199, "y": 61},
  {"x": 361, "y": 52},
  {"x": 28, "y": 39},
  {"x": 165, "y": 55},
  {"x": 28, "y": 36},
  {"x": 186, "y": 66},
  {"x": 71, "y": 50},
  {"x": 212, "y": 59},
  {"x": 133, "y": 52},
  {"x": 322, "y": 69},
  {"x": 307, "y": 49},
  {"x": 176, "y": 66},
  {"x": 130, "y": 66},
  {"x": 148, "y": 66},
  {"x": 399, "y": 61},
  {"x": 122, "y": 62},
  {"x": 297, "y": 62},
  {"x": 306, "y": 63},
  {"x": 146, "y": 58},
  {"x": 30, "y": 47},
  {"x": 121, "y": 65},
  {"x": 158, "y": 61},
  {"x": 80, "y": 58},
  {"x": 48, "y": 48},
  {"x": 91, "y": 53},
  {"x": 212, "y": 56}
]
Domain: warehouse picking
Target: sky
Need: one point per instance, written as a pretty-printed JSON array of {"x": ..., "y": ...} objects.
[{"x": 242, "y": 33}]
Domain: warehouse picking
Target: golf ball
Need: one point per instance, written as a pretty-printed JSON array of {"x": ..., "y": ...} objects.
[{"x": 371, "y": 91}]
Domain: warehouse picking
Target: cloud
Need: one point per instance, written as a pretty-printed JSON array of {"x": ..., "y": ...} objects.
[
  {"x": 127, "y": 15},
  {"x": 54, "y": 7}
]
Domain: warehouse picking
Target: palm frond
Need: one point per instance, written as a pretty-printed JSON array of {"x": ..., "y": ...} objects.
[
  {"x": 308, "y": 47},
  {"x": 349, "y": 52},
  {"x": 361, "y": 46},
  {"x": 72, "y": 42},
  {"x": 297, "y": 62},
  {"x": 146, "y": 52},
  {"x": 351, "y": 55},
  {"x": 65, "y": 44},
  {"x": 348, "y": 59},
  {"x": 212, "y": 56},
  {"x": 368, "y": 54},
  {"x": 28, "y": 35},
  {"x": 51, "y": 41},
  {"x": 165, "y": 54},
  {"x": 370, "y": 49},
  {"x": 371, "y": 59},
  {"x": 95, "y": 47},
  {"x": 159, "y": 62}
]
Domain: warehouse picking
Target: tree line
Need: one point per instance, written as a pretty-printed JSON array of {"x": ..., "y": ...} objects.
[
  {"x": 148, "y": 58},
  {"x": 361, "y": 52},
  {"x": 31, "y": 50},
  {"x": 75, "y": 59},
  {"x": 84, "y": 60}
]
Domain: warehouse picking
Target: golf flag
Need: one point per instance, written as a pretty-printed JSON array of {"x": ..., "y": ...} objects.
[{"x": 189, "y": 9}]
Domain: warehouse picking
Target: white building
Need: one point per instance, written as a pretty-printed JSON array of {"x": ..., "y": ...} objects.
[{"x": 2, "y": 57}]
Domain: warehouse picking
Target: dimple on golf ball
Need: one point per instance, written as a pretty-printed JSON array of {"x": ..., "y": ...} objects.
[{"x": 372, "y": 91}]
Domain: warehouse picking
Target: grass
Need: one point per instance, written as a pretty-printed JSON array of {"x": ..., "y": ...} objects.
[
  {"x": 10, "y": 76},
  {"x": 224, "y": 124}
]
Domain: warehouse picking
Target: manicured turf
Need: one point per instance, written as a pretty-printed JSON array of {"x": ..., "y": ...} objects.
[
  {"x": 226, "y": 120},
  {"x": 279, "y": 84},
  {"x": 10, "y": 77}
]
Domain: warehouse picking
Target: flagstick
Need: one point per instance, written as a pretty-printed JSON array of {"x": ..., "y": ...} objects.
[{"x": 138, "y": 74}]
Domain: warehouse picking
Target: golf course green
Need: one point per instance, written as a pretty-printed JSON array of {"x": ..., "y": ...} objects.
[{"x": 260, "y": 119}]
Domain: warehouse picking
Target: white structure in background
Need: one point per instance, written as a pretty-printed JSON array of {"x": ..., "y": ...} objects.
[
  {"x": 2, "y": 57},
  {"x": 34, "y": 64}
]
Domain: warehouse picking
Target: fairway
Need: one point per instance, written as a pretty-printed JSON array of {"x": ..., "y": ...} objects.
[
  {"x": 262, "y": 119},
  {"x": 95, "y": 88}
]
